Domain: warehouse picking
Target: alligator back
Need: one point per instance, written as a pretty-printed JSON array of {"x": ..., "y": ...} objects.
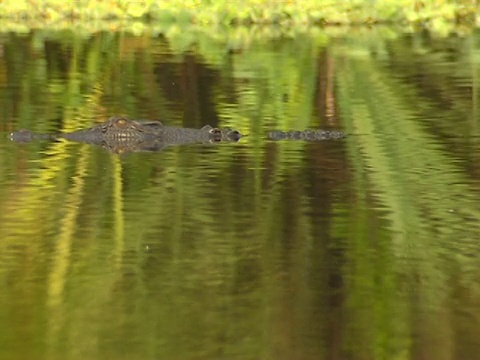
[{"x": 306, "y": 135}]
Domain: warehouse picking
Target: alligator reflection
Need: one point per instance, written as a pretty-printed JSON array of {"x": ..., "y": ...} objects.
[{"x": 123, "y": 135}]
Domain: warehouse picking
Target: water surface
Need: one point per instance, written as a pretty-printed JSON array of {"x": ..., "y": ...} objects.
[{"x": 361, "y": 248}]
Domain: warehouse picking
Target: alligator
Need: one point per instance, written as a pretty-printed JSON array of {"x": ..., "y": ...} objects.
[{"x": 120, "y": 135}]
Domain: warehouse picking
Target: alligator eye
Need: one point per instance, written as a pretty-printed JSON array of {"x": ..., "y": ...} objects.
[
  {"x": 121, "y": 122},
  {"x": 215, "y": 131}
]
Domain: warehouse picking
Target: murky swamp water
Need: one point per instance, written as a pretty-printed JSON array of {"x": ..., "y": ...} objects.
[{"x": 362, "y": 248}]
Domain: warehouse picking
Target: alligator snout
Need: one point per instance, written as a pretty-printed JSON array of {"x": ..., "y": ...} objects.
[
  {"x": 21, "y": 136},
  {"x": 225, "y": 134}
]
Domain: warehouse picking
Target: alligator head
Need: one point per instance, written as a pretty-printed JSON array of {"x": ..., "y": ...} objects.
[{"x": 120, "y": 134}]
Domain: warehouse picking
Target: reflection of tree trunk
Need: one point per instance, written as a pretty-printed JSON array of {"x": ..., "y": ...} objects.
[
  {"x": 326, "y": 87},
  {"x": 189, "y": 86},
  {"x": 330, "y": 94},
  {"x": 323, "y": 185},
  {"x": 292, "y": 333},
  {"x": 190, "y": 82},
  {"x": 328, "y": 250},
  {"x": 322, "y": 85},
  {"x": 309, "y": 273}
]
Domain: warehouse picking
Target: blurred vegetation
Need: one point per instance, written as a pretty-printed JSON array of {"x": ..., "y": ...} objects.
[
  {"x": 364, "y": 248},
  {"x": 285, "y": 13},
  {"x": 423, "y": 195}
]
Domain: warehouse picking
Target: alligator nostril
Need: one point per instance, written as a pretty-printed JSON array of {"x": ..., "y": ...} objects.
[{"x": 234, "y": 135}]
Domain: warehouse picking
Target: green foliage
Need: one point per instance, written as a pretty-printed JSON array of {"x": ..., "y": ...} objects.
[{"x": 295, "y": 12}]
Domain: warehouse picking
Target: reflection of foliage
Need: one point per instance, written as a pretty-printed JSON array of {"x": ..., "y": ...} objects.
[
  {"x": 450, "y": 83},
  {"x": 426, "y": 200},
  {"x": 174, "y": 229},
  {"x": 248, "y": 250}
]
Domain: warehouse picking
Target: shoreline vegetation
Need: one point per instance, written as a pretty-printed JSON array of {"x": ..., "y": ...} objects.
[{"x": 247, "y": 12}]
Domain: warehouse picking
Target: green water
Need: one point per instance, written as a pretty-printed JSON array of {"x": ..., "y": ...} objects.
[{"x": 361, "y": 248}]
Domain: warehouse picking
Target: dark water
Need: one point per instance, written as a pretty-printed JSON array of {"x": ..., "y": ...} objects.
[{"x": 362, "y": 248}]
